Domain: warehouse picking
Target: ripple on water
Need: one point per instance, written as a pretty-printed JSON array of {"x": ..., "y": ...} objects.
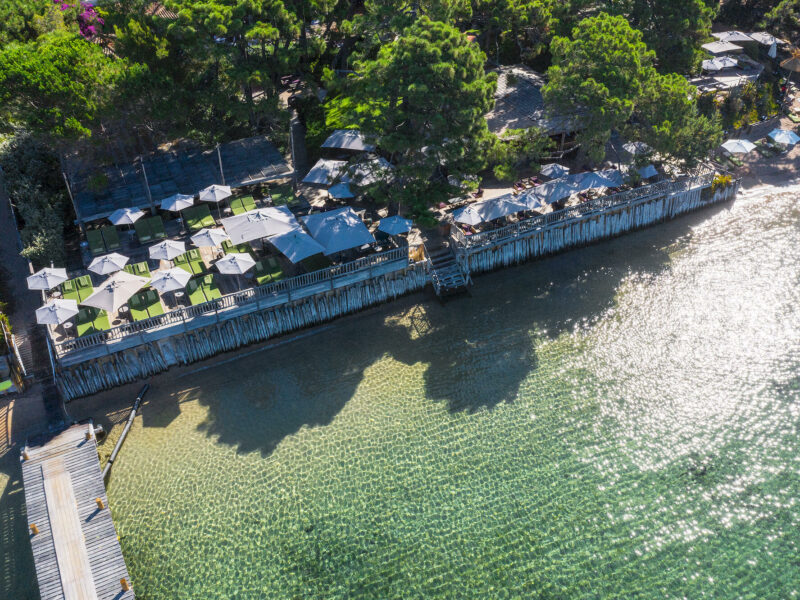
[{"x": 619, "y": 421}]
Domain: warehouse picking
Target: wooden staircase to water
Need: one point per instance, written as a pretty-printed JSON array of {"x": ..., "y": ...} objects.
[{"x": 449, "y": 279}]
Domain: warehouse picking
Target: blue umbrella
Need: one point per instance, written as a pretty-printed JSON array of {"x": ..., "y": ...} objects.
[{"x": 395, "y": 225}]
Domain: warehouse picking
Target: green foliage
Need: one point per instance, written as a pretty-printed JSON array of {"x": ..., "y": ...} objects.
[
  {"x": 17, "y": 19},
  {"x": 674, "y": 29},
  {"x": 720, "y": 182},
  {"x": 784, "y": 19},
  {"x": 32, "y": 178},
  {"x": 606, "y": 75},
  {"x": 57, "y": 85},
  {"x": 516, "y": 149},
  {"x": 423, "y": 98}
]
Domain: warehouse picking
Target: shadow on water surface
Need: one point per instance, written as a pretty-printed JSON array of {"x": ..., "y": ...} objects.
[{"x": 476, "y": 350}]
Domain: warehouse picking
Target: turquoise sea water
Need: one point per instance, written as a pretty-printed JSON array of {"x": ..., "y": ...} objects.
[{"x": 618, "y": 421}]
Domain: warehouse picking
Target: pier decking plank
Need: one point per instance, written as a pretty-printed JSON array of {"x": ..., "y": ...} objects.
[{"x": 76, "y": 552}]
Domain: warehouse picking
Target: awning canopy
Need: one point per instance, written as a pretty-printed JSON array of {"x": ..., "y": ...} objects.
[
  {"x": 348, "y": 139},
  {"x": 338, "y": 230},
  {"x": 260, "y": 223},
  {"x": 341, "y": 191},
  {"x": 733, "y": 37},
  {"x": 395, "y": 225},
  {"x": 554, "y": 170},
  {"x": 719, "y": 63},
  {"x": 722, "y": 48},
  {"x": 368, "y": 172},
  {"x": 325, "y": 172},
  {"x": 296, "y": 245}
]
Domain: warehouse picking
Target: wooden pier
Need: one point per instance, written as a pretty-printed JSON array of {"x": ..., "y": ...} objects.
[{"x": 75, "y": 546}]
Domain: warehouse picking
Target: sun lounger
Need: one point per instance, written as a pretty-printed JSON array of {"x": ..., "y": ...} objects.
[
  {"x": 794, "y": 118},
  {"x": 154, "y": 306},
  {"x": 243, "y": 248},
  {"x": 198, "y": 217},
  {"x": 143, "y": 231},
  {"x": 136, "y": 304},
  {"x": 196, "y": 262},
  {"x": 141, "y": 269},
  {"x": 69, "y": 290},
  {"x": 182, "y": 261},
  {"x": 157, "y": 228},
  {"x": 111, "y": 238},
  {"x": 261, "y": 273},
  {"x": 90, "y": 320},
  {"x": 237, "y": 206},
  {"x": 210, "y": 288},
  {"x": 281, "y": 194},
  {"x": 84, "y": 287},
  {"x": 274, "y": 268},
  {"x": 95, "y": 240},
  {"x": 195, "y": 292}
]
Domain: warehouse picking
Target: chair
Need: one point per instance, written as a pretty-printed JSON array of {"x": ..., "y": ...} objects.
[
  {"x": 274, "y": 267},
  {"x": 249, "y": 203},
  {"x": 140, "y": 269},
  {"x": 69, "y": 290},
  {"x": 182, "y": 261},
  {"x": 95, "y": 240},
  {"x": 84, "y": 321},
  {"x": 111, "y": 237},
  {"x": 154, "y": 307}
]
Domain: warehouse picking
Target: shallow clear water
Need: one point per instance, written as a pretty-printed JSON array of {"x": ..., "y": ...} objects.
[{"x": 618, "y": 421}]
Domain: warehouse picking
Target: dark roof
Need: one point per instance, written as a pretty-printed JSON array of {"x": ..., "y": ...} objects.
[
  {"x": 519, "y": 103},
  {"x": 244, "y": 162}
]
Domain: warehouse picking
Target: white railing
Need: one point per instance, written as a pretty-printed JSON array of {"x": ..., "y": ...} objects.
[
  {"x": 253, "y": 295},
  {"x": 601, "y": 203}
]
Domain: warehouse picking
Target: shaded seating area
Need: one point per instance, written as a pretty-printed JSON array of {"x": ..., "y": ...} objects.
[
  {"x": 95, "y": 240},
  {"x": 242, "y": 205},
  {"x": 191, "y": 261},
  {"x": 268, "y": 270},
  {"x": 77, "y": 289},
  {"x": 111, "y": 238},
  {"x": 150, "y": 229},
  {"x": 203, "y": 289},
  {"x": 144, "y": 305},
  {"x": 198, "y": 217},
  {"x": 91, "y": 320},
  {"x": 243, "y": 248},
  {"x": 141, "y": 269},
  {"x": 316, "y": 262}
]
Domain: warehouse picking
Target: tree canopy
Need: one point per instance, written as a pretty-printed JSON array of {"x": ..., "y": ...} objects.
[{"x": 423, "y": 97}]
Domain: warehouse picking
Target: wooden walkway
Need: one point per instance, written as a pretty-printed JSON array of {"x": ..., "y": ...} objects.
[{"x": 76, "y": 550}]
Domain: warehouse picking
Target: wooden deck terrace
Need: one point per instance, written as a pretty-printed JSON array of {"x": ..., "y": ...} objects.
[{"x": 76, "y": 551}]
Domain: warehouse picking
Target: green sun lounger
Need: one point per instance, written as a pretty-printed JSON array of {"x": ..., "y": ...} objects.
[
  {"x": 141, "y": 269},
  {"x": 195, "y": 292},
  {"x": 90, "y": 320},
  {"x": 210, "y": 288},
  {"x": 143, "y": 231},
  {"x": 274, "y": 268},
  {"x": 195, "y": 260},
  {"x": 197, "y": 217},
  {"x": 282, "y": 194},
  {"x": 95, "y": 240},
  {"x": 243, "y": 248},
  {"x": 261, "y": 273},
  {"x": 794, "y": 118},
  {"x": 136, "y": 304},
  {"x": 157, "y": 228},
  {"x": 154, "y": 307},
  {"x": 182, "y": 261},
  {"x": 315, "y": 263},
  {"x": 69, "y": 290},
  {"x": 111, "y": 238}
]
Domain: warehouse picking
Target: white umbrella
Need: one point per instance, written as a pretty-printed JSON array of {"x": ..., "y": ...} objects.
[
  {"x": 784, "y": 136},
  {"x": 719, "y": 63},
  {"x": 215, "y": 193},
  {"x": 636, "y": 148},
  {"x": 739, "y": 146},
  {"x": 235, "y": 263},
  {"x": 56, "y": 312},
  {"x": 395, "y": 225},
  {"x": 296, "y": 245},
  {"x": 47, "y": 278},
  {"x": 170, "y": 280},
  {"x": 647, "y": 172},
  {"x": 125, "y": 216},
  {"x": 166, "y": 250},
  {"x": 499, "y": 207},
  {"x": 260, "y": 223},
  {"x": 530, "y": 200},
  {"x": 338, "y": 230},
  {"x": 555, "y": 170},
  {"x": 115, "y": 291},
  {"x": 209, "y": 238},
  {"x": 103, "y": 265},
  {"x": 177, "y": 202},
  {"x": 467, "y": 215}
]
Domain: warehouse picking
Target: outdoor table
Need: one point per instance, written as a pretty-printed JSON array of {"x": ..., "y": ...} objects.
[{"x": 56, "y": 294}]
